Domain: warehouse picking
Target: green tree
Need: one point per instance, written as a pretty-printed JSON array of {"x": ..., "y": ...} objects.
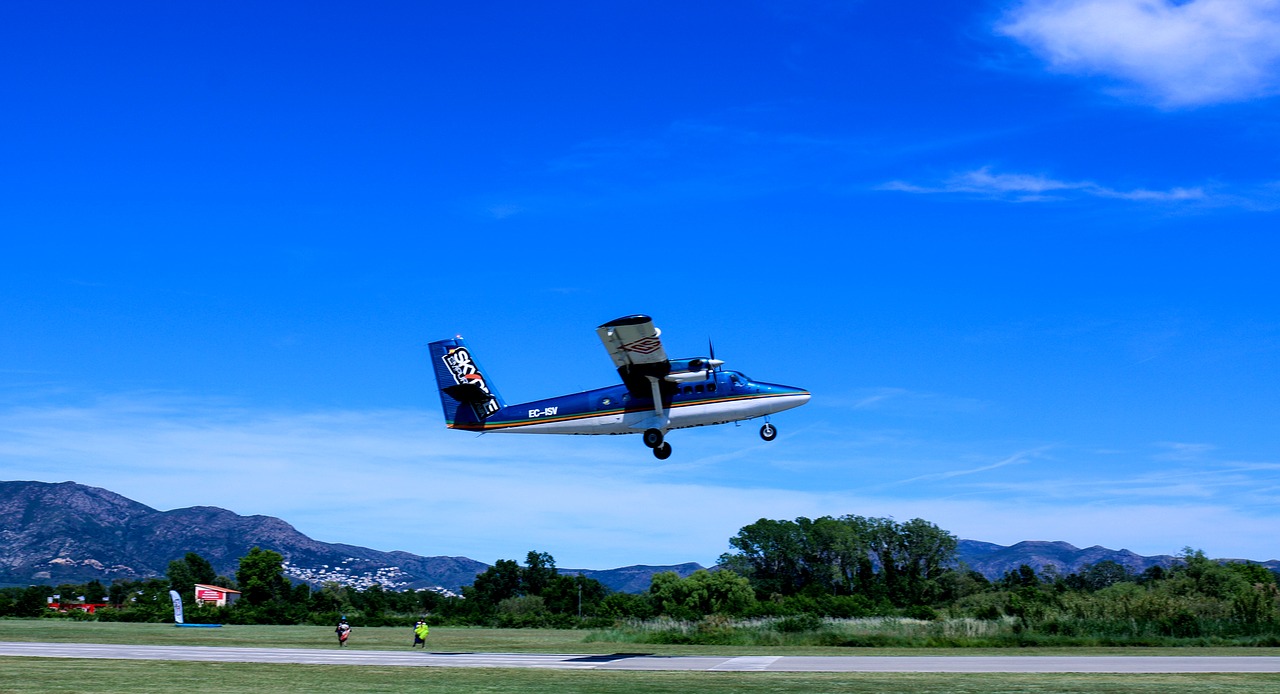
[
  {"x": 1258, "y": 603},
  {"x": 525, "y": 611},
  {"x": 1196, "y": 574},
  {"x": 117, "y": 594},
  {"x": 838, "y": 553},
  {"x": 770, "y": 553},
  {"x": 33, "y": 602},
  {"x": 625, "y": 606},
  {"x": 913, "y": 556},
  {"x": 701, "y": 593},
  {"x": 538, "y": 572},
  {"x": 506, "y": 580},
  {"x": 493, "y": 585},
  {"x": 873, "y": 557},
  {"x": 372, "y": 601},
  {"x": 185, "y": 573},
  {"x": 94, "y": 591},
  {"x": 573, "y": 595},
  {"x": 1099, "y": 575},
  {"x": 1254, "y": 574},
  {"x": 1022, "y": 577},
  {"x": 261, "y": 577},
  {"x": 332, "y": 597}
]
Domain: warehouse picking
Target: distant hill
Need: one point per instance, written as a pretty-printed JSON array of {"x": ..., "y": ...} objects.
[
  {"x": 67, "y": 532},
  {"x": 993, "y": 560},
  {"x": 632, "y": 579}
]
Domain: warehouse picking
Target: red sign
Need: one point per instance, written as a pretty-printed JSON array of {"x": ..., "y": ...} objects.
[{"x": 212, "y": 595}]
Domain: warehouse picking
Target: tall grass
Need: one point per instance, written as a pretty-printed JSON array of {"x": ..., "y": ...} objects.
[
  {"x": 901, "y": 632},
  {"x": 57, "y": 676}
]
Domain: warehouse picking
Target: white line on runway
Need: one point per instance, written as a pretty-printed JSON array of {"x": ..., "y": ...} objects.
[
  {"x": 625, "y": 661},
  {"x": 747, "y": 663}
]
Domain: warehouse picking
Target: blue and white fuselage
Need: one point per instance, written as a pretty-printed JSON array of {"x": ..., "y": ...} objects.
[
  {"x": 726, "y": 397},
  {"x": 656, "y": 396}
]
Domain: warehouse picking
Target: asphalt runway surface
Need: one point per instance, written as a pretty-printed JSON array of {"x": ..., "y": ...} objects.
[{"x": 639, "y": 661}]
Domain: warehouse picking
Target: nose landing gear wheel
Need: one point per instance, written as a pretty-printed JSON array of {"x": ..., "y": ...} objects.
[
  {"x": 768, "y": 432},
  {"x": 653, "y": 438},
  {"x": 662, "y": 452}
]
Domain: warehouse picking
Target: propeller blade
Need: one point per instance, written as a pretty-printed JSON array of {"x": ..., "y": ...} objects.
[{"x": 713, "y": 364}]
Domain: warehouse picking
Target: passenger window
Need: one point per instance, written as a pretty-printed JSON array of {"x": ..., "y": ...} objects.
[
  {"x": 698, "y": 388},
  {"x": 711, "y": 387}
]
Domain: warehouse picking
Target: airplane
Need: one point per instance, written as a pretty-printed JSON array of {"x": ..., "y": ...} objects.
[{"x": 657, "y": 394}]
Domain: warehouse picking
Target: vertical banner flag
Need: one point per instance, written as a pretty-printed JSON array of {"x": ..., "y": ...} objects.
[{"x": 177, "y": 606}]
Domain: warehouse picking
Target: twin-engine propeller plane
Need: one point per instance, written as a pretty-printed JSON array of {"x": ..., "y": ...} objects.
[{"x": 656, "y": 395}]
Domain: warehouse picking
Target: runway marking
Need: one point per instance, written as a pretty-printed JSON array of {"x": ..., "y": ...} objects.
[
  {"x": 747, "y": 663},
  {"x": 640, "y": 661}
]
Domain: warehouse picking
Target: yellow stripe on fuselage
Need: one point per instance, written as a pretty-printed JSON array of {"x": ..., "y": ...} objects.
[{"x": 614, "y": 412}]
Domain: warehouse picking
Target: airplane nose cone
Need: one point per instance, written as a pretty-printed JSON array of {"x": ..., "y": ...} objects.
[{"x": 790, "y": 395}]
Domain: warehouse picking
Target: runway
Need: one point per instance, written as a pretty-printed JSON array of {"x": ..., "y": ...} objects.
[{"x": 636, "y": 661}]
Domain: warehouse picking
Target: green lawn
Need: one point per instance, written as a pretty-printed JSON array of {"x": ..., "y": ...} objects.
[
  {"x": 23, "y": 675},
  {"x": 46, "y": 675},
  {"x": 462, "y": 639}
]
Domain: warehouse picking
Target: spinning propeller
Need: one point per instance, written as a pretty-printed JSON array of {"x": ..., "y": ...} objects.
[{"x": 712, "y": 364}]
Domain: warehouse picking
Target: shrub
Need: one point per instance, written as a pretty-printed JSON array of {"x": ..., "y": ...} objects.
[
  {"x": 922, "y": 612},
  {"x": 798, "y": 623}
]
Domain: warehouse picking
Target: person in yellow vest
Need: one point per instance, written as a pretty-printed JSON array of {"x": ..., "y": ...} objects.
[{"x": 420, "y": 631}]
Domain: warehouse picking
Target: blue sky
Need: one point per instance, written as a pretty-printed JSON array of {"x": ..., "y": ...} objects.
[{"x": 1022, "y": 253}]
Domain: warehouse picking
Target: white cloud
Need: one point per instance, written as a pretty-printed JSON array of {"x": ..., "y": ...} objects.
[
  {"x": 901, "y": 401},
  {"x": 1021, "y": 187},
  {"x": 1174, "y": 450},
  {"x": 396, "y": 479},
  {"x": 1174, "y": 53},
  {"x": 1015, "y": 459}
]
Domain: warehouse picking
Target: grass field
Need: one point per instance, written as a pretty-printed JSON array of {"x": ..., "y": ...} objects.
[
  {"x": 28, "y": 675},
  {"x": 141, "y": 677},
  {"x": 481, "y": 640}
]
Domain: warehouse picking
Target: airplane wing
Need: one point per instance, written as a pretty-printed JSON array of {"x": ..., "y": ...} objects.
[{"x": 634, "y": 345}]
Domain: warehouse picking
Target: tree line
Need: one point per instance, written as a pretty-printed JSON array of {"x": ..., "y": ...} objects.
[{"x": 829, "y": 567}]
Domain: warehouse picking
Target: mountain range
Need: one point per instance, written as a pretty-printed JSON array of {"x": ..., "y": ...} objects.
[{"x": 71, "y": 533}]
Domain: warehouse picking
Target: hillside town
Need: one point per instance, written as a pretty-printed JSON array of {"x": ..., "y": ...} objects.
[{"x": 389, "y": 577}]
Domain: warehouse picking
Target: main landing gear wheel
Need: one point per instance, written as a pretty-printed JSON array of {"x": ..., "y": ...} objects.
[
  {"x": 662, "y": 452},
  {"x": 653, "y": 438},
  {"x": 768, "y": 432}
]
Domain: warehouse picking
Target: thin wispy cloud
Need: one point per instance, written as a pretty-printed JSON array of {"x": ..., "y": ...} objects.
[
  {"x": 902, "y": 401},
  {"x": 504, "y": 210},
  {"x": 879, "y": 397},
  {"x": 1022, "y": 187},
  {"x": 1175, "y": 474},
  {"x": 721, "y": 156},
  {"x": 1174, "y": 450},
  {"x": 1015, "y": 459},
  {"x": 396, "y": 479},
  {"x": 1175, "y": 54}
]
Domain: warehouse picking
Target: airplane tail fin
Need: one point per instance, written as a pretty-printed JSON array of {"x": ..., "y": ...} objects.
[{"x": 467, "y": 396}]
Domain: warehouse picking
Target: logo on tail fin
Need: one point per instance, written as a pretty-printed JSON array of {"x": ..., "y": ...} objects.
[
  {"x": 647, "y": 345},
  {"x": 470, "y": 385}
]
